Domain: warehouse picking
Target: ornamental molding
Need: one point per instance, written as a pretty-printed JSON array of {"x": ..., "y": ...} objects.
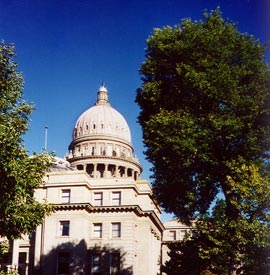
[{"x": 111, "y": 209}]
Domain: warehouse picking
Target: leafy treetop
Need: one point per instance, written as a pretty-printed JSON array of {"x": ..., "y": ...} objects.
[
  {"x": 204, "y": 111},
  {"x": 19, "y": 173}
]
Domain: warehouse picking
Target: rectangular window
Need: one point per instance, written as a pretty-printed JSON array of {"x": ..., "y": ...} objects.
[
  {"x": 63, "y": 263},
  {"x": 116, "y": 230},
  {"x": 183, "y": 233},
  {"x": 97, "y": 231},
  {"x": 22, "y": 258},
  {"x": 65, "y": 195},
  {"x": 172, "y": 235},
  {"x": 96, "y": 264},
  {"x": 114, "y": 263},
  {"x": 64, "y": 228},
  {"x": 116, "y": 198},
  {"x": 98, "y": 199}
]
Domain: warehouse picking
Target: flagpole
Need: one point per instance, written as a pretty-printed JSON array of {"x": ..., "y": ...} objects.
[{"x": 46, "y": 137}]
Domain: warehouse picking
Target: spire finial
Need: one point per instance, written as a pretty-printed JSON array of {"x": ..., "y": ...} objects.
[{"x": 102, "y": 95}]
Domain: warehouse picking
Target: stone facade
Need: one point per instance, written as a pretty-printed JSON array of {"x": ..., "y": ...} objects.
[{"x": 105, "y": 220}]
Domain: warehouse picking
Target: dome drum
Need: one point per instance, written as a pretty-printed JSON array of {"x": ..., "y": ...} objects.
[
  {"x": 99, "y": 146},
  {"x": 96, "y": 168}
]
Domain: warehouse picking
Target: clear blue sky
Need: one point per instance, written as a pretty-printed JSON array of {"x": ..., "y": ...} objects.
[{"x": 66, "y": 48}]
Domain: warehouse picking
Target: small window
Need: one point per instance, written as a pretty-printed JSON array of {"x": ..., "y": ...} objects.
[
  {"x": 97, "y": 231},
  {"x": 114, "y": 263},
  {"x": 64, "y": 228},
  {"x": 116, "y": 198},
  {"x": 183, "y": 233},
  {"x": 172, "y": 235},
  {"x": 116, "y": 230},
  {"x": 80, "y": 167},
  {"x": 65, "y": 195},
  {"x": 63, "y": 263},
  {"x": 98, "y": 199},
  {"x": 96, "y": 264}
]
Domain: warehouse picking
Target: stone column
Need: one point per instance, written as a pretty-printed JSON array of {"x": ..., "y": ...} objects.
[
  {"x": 38, "y": 245},
  {"x": 106, "y": 171},
  {"x": 95, "y": 170},
  {"x": 117, "y": 174},
  {"x": 15, "y": 254}
]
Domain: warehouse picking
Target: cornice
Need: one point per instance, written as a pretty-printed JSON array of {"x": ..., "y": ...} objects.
[
  {"x": 85, "y": 157},
  {"x": 112, "y": 209},
  {"x": 99, "y": 137}
]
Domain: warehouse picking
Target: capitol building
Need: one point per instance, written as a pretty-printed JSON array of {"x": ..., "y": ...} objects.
[{"x": 105, "y": 219}]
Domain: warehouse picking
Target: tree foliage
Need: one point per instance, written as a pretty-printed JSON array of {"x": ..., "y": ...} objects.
[
  {"x": 211, "y": 248},
  {"x": 205, "y": 109},
  {"x": 19, "y": 173}
]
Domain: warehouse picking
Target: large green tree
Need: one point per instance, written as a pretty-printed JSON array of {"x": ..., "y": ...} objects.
[
  {"x": 19, "y": 173},
  {"x": 205, "y": 109}
]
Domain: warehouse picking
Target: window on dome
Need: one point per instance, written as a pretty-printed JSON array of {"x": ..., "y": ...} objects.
[
  {"x": 102, "y": 126},
  {"x": 92, "y": 150},
  {"x": 94, "y": 126},
  {"x": 85, "y": 150},
  {"x": 109, "y": 150}
]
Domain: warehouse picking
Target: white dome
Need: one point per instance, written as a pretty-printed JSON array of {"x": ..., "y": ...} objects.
[{"x": 102, "y": 119}]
